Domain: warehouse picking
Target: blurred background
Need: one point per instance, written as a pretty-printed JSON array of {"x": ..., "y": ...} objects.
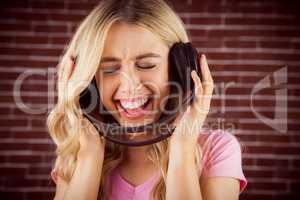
[{"x": 253, "y": 49}]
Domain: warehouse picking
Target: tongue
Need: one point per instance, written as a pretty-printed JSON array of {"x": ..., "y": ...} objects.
[{"x": 135, "y": 110}]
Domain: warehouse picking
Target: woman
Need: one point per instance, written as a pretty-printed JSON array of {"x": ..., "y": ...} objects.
[{"x": 113, "y": 44}]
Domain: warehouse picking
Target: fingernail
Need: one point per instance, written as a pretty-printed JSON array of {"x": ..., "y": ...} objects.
[{"x": 193, "y": 72}]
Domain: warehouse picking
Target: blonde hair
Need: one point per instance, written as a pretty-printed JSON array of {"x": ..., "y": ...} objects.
[{"x": 64, "y": 121}]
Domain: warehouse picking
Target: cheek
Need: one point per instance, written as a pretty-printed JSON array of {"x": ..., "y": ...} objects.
[
  {"x": 106, "y": 91},
  {"x": 164, "y": 95},
  {"x": 164, "y": 87},
  {"x": 156, "y": 80},
  {"x": 160, "y": 86},
  {"x": 163, "y": 81}
]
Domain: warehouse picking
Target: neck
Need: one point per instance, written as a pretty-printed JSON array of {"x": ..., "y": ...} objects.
[{"x": 137, "y": 155}]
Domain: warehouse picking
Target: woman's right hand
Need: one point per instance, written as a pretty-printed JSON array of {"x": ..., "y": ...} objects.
[
  {"x": 91, "y": 143},
  {"x": 86, "y": 179}
]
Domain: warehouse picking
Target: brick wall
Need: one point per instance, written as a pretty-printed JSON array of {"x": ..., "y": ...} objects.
[{"x": 253, "y": 48}]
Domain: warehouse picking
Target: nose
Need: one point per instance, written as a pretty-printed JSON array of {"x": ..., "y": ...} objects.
[{"x": 130, "y": 82}]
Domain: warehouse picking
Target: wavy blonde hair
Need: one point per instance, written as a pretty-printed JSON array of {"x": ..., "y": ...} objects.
[{"x": 64, "y": 121}]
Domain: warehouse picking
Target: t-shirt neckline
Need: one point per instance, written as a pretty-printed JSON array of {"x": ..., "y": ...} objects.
[{"x": 128, "y": 186}]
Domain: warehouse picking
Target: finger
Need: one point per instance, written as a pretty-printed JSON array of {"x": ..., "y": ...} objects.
[
  {"x": 87, "y": 125},
  {"x": 198, "y": 85},
  {"x": 67, "y": 67},
  {"x": 208, "y": 84},
  {"x": 204, "y": 105},
  {"x": 205, "y": 69},
  {"x": 199, "y": 106},
  {"x": 71, "y": 62},
  {"x": 199, "y": 92},
  {"x": 207, "y": 77}
]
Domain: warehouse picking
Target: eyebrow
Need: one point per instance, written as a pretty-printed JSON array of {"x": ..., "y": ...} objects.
[{"x": 114, "y": 59}]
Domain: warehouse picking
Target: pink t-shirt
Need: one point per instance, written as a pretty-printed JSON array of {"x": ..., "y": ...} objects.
[{"x": 221, "y": 157}]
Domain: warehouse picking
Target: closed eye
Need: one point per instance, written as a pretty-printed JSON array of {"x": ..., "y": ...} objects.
[
  {"x": 149, "y": 66},
  {"x": 110, "y": 70}
]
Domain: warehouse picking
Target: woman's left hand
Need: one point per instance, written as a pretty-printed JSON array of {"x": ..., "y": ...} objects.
[{"x": 189, "y": 124}]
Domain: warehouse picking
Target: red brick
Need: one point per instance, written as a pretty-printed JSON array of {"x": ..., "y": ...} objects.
[{"x": 244, "y": 41}]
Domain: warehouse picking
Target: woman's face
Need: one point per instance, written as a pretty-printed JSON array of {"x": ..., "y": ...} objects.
[{"x": 133, "y": 74}]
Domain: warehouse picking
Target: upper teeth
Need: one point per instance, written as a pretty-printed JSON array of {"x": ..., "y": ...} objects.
[{"x": 133, "y": 104}]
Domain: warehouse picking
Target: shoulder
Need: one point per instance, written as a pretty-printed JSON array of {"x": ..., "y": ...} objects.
[
  {"x": 222, "y": 155},
  {"x": 218, "y": 140},
  {"x": 225, "y": 139},
  {"x": 54, "y": 175}
]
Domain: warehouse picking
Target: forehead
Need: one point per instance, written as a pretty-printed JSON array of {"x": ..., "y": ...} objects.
[{"x": 125, "y": 39}]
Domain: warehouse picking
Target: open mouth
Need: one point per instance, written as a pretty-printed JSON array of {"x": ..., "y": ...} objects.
[{"x": 134, "y": 111}]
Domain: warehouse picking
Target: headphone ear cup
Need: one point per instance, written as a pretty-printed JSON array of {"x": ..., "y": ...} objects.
[
  {"x": 91, "y": 104},
  {"x": 193, "y": 58},
  {"x": 89, "y": 98},
  {"x": 183, "y": 58},
  {"x": 100, "y": 111}
]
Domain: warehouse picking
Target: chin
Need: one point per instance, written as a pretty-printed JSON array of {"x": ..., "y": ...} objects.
[{"x": 130, "y": 123}]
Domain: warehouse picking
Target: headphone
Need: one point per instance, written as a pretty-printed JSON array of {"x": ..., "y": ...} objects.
[{"x": 183, "y": 59}]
